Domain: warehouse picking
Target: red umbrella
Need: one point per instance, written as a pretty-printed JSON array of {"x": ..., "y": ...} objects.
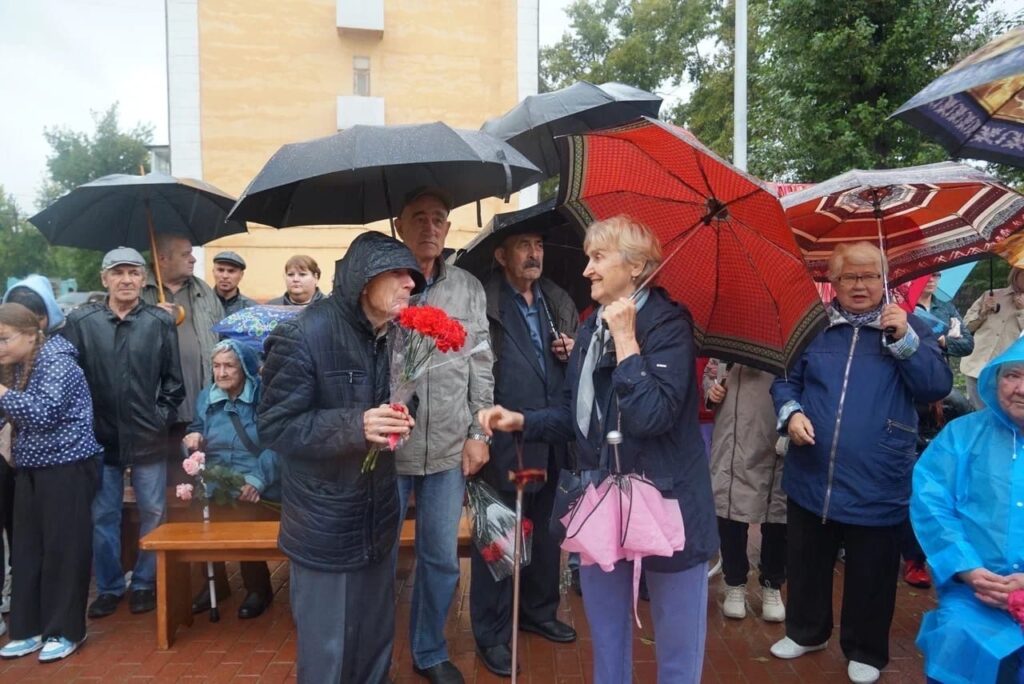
[
  {"x": 924, "y": 218},
  {"x": 729, "y": 255}
]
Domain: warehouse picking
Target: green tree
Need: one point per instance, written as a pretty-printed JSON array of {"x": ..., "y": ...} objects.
[
  {"x": 23, "y": 249},
  {"x": 79, "y": 158}
]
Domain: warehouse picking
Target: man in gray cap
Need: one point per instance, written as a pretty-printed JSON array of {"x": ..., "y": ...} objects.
[
  {"x": 129, "y": 352},
  {"x": 228, "y": 269}
]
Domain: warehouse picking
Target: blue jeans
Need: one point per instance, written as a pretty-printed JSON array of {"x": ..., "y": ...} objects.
[
  {"x": 678, "y": 608},
  {"x": 438, "y": 511},
  {"x": 150, "y": 484}
]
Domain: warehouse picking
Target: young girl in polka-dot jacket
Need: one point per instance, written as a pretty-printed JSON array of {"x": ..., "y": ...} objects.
[{"x": 43, "y": 394}]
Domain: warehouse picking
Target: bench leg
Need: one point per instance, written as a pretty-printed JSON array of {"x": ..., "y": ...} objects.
[{"x": 173, "y": 598}]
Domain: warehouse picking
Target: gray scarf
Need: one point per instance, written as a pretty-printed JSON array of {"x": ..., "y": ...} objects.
[{"x": 598, "y": 347}]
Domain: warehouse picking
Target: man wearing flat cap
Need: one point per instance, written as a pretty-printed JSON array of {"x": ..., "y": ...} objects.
[
  {"x": 228, "y": 270},
  {"x": 129, "y": 352}
]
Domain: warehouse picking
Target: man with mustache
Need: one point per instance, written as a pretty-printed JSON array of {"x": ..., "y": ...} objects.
[{"x": 531, "y": 322}]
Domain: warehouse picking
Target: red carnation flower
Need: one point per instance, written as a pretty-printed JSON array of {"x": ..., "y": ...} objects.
[
  {"x": 491, "y": 553},
  {"x": 527, "y": 527}
]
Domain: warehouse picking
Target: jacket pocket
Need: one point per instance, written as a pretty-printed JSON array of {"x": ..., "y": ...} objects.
[
  {"x": 896, "y": 454},
  {"x": 347, "y": 388}
]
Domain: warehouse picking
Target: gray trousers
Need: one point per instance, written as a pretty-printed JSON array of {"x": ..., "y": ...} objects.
[{"x": 345, "y": 623}]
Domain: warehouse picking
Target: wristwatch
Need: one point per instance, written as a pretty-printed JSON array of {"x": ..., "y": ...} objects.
[{"x": 480, "y": 437}]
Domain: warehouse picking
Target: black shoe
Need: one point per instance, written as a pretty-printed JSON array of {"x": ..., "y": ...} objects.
[
  {"x": 574, "y": 581},
  {"x": 552, "y": 630},
  {"x": 201, "y": 603},
  {"x": 142, "y": 601},
  {"x": 104, "y": 605},
  {"x": 254, "y": 605},
  {"x": 442, "y": 673},
  {"x": 497, "y": 659}
]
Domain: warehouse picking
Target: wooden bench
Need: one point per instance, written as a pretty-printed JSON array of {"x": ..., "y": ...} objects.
[{"x": 178, "y": 544}]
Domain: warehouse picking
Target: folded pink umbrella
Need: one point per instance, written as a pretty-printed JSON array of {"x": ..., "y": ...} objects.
[{"x": 624, "y": 517}]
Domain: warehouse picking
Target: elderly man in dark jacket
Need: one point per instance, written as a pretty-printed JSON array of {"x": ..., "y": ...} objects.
[
  {"x": 324, "y": 382},
  {"x": 129, "y": 352},
  {"x": 531, "y": 322}
]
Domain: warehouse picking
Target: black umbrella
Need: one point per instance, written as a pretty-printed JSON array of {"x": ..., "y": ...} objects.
[
  {"x": 361, "y": 174},
  {"x": 532, "y": 125},
  {"x": 564, "y": 259},
  {"x": 123, "y": 210}
]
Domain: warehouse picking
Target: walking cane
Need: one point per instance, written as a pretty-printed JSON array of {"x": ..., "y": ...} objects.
[
  {"x": 521, "y": 477},
  {"x": 214, "y": 611}
]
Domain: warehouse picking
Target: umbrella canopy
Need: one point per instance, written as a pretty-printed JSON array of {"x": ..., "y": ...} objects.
[
  {"x": 925, "y": 217},
  {"x": 253, "y": 325},
  {"x": 564, "y": 259},
  {"x": 362, "y": 173},
  {"x": 122, "y": 210},
  {"x": 952, "y": 279},
  {"x": 740, "y": 274},
  {"x": 976, "y": 109},
  {"x": 531, "y": 126}
]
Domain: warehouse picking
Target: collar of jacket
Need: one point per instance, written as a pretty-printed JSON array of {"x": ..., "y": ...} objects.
[
  {"x": 218, "y": 395},
  {"x": 836, "y": 319},
  {"x": 131, "y": 314}
]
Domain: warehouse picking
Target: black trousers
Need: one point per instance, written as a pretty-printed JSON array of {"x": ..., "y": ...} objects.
[
  {"x": 490, "y": 602},
  {"x": 6, "y": 511},
  {"x": 735, "y": 565},
  {"x": 910, "y": 549},
  {"x": 869, "y": 584},
  {"x": 53, "y": 550}
]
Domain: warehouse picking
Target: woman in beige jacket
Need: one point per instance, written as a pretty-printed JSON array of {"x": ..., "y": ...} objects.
[
  {"x": 996, "y": 318},
  {"x": 746, "y": 476}
]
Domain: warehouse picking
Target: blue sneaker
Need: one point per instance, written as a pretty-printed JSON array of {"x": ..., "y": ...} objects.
[
  {"x": 57, "y": 648},
  {"x": 20, "y": 647}
]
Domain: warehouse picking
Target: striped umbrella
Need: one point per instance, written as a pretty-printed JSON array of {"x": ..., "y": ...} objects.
[{"x": 924, "y": 218}]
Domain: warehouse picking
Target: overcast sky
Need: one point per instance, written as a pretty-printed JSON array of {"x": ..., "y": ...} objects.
[{"x": 61, "y": 60}]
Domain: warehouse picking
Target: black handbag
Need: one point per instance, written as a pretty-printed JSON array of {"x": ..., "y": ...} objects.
[{"x": 569, "y": 490}]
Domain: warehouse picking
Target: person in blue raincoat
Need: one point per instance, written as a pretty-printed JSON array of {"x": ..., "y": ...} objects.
[
  {"x": 225, "y": 427},
  {"x": 967, "y": 509}
]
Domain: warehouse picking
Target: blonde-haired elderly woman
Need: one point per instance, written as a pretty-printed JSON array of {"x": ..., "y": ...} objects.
[
  {"x": 848, "y": 408},
  {"x": 632, "y": 370}
]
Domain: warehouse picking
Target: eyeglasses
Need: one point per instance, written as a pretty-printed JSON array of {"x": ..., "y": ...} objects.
[
  {"x": 853, "y": 278},
  {"x": 4, "y": 341}
]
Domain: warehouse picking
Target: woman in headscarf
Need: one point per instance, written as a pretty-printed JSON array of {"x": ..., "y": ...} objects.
[
  {"x": 225, "y": 428},
  {"x": 633, "y": 371}
]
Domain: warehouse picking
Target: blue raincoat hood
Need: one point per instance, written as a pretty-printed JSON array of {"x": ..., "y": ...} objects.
[
  {"x": 41, "y": 286},
  {"x": 989, "y": 376}
]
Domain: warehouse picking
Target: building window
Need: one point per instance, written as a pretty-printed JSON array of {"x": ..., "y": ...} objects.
[{"x": 361, "y": 76}]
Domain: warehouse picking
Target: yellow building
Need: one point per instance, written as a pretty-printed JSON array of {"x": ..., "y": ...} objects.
[{"x": 247, "y": 76}]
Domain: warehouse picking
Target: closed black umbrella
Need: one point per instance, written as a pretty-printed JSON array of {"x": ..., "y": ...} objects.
[
  {"x": 361, "y": 174},
  {"x": 564, "y": 259},
  {"x": 532, "y": 125}
]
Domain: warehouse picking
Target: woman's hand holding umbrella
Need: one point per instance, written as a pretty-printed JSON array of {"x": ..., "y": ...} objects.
[
  {"x": 894, "y": 321},
  {"x": 620, "y": 317}
]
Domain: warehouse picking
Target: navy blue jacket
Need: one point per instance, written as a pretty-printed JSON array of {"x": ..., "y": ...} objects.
[
  {"x": 869, "y": 433},
  {"x": 658, "y": 406}
]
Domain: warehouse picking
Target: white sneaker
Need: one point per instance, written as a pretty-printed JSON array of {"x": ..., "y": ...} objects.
[
  {"x": 787, "y": 649},
  {"x": 861, "y": 673},
  {"x": 772, "y": 608},
  {"x": 735, "y": 604}
]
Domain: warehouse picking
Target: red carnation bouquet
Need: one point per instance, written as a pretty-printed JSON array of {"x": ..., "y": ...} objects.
[
  {"x": 494, "y": 530},
  {"x": 420, "y": 331}
]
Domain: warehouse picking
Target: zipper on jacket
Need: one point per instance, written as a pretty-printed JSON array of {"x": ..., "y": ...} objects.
[
  {"x": 426, "y": 425},
  {"x": 835, "y": 435}
]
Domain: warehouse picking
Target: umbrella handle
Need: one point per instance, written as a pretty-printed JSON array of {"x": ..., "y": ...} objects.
[{"x": 156, "y": 255}]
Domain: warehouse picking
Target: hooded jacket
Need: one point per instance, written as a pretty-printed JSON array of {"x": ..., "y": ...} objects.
[
  {"x": 134, "y": 374},
  {"x": 52, "y": 416},
  {"x": 324, "y": 369},
  {"x": 967, "y": 509},
  {"x": 860, "y": 399},
  {"x": 223, "y": 446},
  {"x": 41, "y": 286}
]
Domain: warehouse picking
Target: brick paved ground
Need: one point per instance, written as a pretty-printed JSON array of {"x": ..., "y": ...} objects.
[{"x": 121, "y": 647}]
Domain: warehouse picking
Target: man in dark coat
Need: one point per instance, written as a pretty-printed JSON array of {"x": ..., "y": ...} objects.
[
  {"x": 129, "y": 352},
  {"x": 531, "y": 322},
  {"x": 324, "y": 382}
]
